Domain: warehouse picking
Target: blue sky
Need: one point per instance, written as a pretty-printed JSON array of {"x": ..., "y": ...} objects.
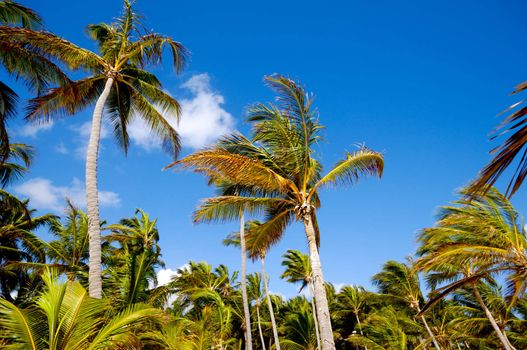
[{"x": 420, "y": 81}]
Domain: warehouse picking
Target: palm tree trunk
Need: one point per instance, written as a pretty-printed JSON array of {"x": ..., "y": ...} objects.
[
  {"x": 270, "y": 305},
  {"x": 315, "y": 318},
  {"x": 436, "y": 345},
  {"x": 497, "y": 329},
  {"x": 92, "y": 195},
  {"x": 360, "y": 326},
  {"x": 321, "y": 301},
  {"x": 260, "y": 325},
  {"x": 248, "y": 338}
]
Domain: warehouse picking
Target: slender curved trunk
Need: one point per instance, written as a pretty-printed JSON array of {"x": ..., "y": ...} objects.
[
  {"x": 92, "y": 195},
  {"x": 321, "y": 301},
  {"x": 436, "y": 345},
  {"x": 497, "y": 329},
  {"x": 315, "y": 318},
  {"x": 270, "y": 305},
  {"x": 248, "y": 338},
  {"x": 260, "y": 325}
]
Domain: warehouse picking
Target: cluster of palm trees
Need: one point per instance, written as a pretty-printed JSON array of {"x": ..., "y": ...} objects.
[{"x": 94, "y": 285}]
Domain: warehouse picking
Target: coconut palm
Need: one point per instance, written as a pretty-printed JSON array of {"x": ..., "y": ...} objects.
[
  {"x": 280, "y": 169},
  {"x": 400, "y": 282},
  {"x": 298, "y": 326},
  {"x": 512, "y": 148},
  {"x": 65, "y": 317},
  {"x": 298, "y": 269},
  {"x": 132, "y": 266},
  {"x": 255, "y": 292},
  {"x": 353, "y": 300},
  {"x": 472, "y": 240},
  {"x": 118, "y": 83}
]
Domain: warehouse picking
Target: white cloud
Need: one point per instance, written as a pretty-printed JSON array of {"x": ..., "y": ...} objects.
[
  {"x": 203, "y": 118},
  {"x": 164, "y": 276},
  {"x": 46, "y": 196},
  {"x": 32, "y": 129},
  {"x": 84, "y": 133}
]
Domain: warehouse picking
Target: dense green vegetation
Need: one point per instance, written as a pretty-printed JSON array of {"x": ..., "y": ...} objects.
[{"x": 94, "y": 284}]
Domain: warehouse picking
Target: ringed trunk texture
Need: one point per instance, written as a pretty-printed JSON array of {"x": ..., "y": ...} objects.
[
  {"x": 321, "y": 301},
  {"x": 497, "y": 329},
  {"x": 248, "y": 338},
  {"x": 315, "y": 318},
  {"x": 92, "y": 195},
  {"x": 260, "y": 326},
  {"x": 270, "y": 305}
]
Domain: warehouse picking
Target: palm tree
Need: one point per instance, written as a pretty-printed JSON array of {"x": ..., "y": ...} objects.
[
  {"x": 298, "y": 326},
  {"x": 132, "y": 266},
  {"x": 21, "y": 249},
  {"x": 353, "y": 299},
  {"x": 279, "y": 175},
  {"x": 119, "y": 83},
  {"x": 472, "y": 240},
  {"x": 64, "y": 317},
  {"x": 400, "y": 282},
  {"x": 298, "y": 269},
  {"x": 16, "y": 163},
  {"x": 255, "y": 293},
  {"x": 510, "y": 149}
]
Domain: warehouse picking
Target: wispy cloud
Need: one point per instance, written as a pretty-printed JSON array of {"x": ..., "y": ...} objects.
[
  {"x": 47, "y": 196},
  {"x": 203, "y": 117},
  {"x": 84, "y": 136},
  {"x": 32, "y": 129}
]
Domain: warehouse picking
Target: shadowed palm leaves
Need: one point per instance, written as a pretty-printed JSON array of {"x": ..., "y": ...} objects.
[
  {"x": 512, "y": 148},
  {"x": 473, "y": 240},
  {"x": 22, "y": 61},
  {"x": 10, "y": 168},
  {"x": 399, "y": 282},
  {"x": 64, "y": 317},
  {"x": 131, "y": 267},
  {"x": 278, "y": 175},
  {"x": 119, "y": 83}
]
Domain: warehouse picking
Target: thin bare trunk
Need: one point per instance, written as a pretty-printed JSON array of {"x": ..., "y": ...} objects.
[
  {"x": 92, "y": 195},
  {"x": 248, "y": 337},
  {"x": 270, "y": 305},
  {"x": 497, "y": 329},
  {"x": 321, "y": 301},
  {"x": 260, "y": 325},
  {"x": 315, "y": 318},
  {"x": 436, "y": 345}
]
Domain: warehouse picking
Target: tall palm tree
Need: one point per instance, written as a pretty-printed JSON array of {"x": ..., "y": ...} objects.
[
  {"x": 298, "y": 269},
  {"x": 119, "y": 83},
  {"x": 399, "y": 281},
  {"x": 64, "y": 317},
  {"x": 512, "y": 148},
  {"x": 280, "y": 169},
  {"x": 254, "y": 291}
]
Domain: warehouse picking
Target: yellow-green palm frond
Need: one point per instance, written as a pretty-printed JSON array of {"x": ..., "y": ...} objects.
[
  {"x": 148, "y": 49},
  {"x": 65, "y": 100},
  {"x": 228, "y": 208},
  {"x": 37, "y": 70},
  {"x": 12, "y": 13},
  {"x": 49, "y": 44},
  {"x": 263, "y": 236},
  {"x": 154, "y": 117},
  {"x": 356, "y": 164},
  {"x": 235, "y": 168}
]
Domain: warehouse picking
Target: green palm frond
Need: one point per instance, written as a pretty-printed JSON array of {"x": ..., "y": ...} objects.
[
  {"x": 12, "y": 13},
  {"x": 358, "y": 163}
]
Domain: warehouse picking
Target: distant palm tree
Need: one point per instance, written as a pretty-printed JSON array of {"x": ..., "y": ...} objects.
[
  {"x": 280, "y": 166},
  {"x": 132, "y": 266},
  {"x": 353, "y": 299},
  {"x": 512, "y": 148},
  {"x": 255, "y": 292},
  {"x": 117, "y": 82},
  {"x": 472, "y": 240},
  {"x": 298, "y": 269},
  {"x": 401, "y": 282},
  {"x": 64, "y": 317}
]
